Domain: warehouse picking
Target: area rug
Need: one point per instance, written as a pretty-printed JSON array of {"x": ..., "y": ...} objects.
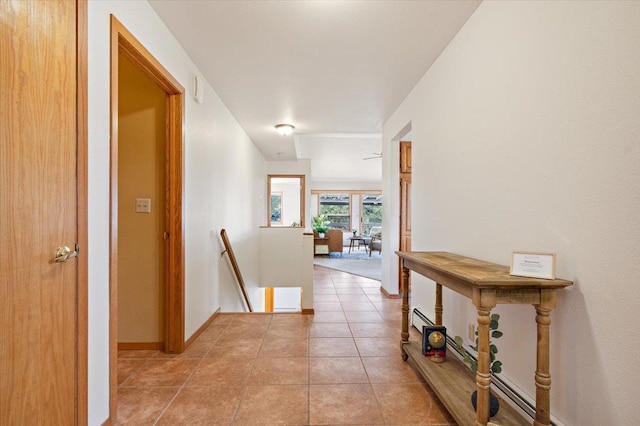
[{"x": 357, "y": 262}]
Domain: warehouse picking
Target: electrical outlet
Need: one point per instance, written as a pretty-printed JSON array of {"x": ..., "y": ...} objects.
[
  {"x": 143, "y": 205},
  {"x": 471, "y": 331}
]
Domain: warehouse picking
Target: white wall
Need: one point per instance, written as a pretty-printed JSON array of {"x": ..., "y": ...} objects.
[
  {"x": 224, "y": 179},
  {"x": 525, "y": 136}
]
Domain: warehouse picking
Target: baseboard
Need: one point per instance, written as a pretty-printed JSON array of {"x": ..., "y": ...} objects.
[
  {"x": 387, "y": 295},
  {"x": 141, "y": 346},
  {"x": 200, "y": 329},
  {"x": 307, "y": 311}
]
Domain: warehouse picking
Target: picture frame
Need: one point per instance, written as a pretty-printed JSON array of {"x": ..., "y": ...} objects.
[
  {"x": 436, "y": 349},
  {"x": 533, "y": 264}
]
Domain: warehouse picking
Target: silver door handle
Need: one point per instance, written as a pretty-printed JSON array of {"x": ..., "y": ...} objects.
[{"x": 64, "y": 253}]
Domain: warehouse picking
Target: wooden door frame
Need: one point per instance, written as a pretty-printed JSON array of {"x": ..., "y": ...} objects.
[
  {"x": 122, "y": 41},
  {"x": 82, "y": 165}
]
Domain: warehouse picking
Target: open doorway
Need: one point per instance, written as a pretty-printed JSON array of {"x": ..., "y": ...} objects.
[
  {"x": 283, "y": 299},
  {"x": 154, "y": 202}
]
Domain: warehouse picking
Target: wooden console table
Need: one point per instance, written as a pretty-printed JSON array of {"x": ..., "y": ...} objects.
[{"x": 487, "y": 285}]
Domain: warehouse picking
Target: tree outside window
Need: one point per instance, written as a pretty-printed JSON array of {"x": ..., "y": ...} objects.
[
  {"x": 371, "y": 211},
  {"x": 336, "y": 208},
  {"x": 276, "y": 208}
]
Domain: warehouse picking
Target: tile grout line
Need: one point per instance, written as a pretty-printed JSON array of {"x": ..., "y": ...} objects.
[{"x": 204, "y": 356}]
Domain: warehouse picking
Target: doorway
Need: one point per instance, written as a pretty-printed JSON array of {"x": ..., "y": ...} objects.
[
  {"x": 168, "y": 199},
  {"x": 141, "y": 209}
]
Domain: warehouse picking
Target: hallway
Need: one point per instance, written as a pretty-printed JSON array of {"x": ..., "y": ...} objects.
[{"x": 339, "y": 366}]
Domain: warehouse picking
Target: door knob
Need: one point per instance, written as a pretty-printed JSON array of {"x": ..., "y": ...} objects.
[{"x": 64, "y": 253}]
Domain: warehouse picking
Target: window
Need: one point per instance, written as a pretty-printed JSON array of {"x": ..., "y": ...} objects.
[
  {"x": 285, "y": 190},
  {"x": 337, "y": 210},
  {"x": 276, "y": 208},
  {"x": 371, "y": 211}
]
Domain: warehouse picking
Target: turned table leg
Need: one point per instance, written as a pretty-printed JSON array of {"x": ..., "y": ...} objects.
[
  {"x": 404, "y": 336},
  {"x": 483, "y": 300},
  {"x": 483, "y": 375},
  {"x": 542, "y": 376},
  {"x": 438, "y": 308}
]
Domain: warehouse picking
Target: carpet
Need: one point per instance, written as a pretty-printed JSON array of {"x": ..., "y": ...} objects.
[{"x": 357, "y": 262}]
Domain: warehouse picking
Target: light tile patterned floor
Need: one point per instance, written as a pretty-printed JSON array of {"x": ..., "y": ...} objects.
[{"x": 340, "y": 366}]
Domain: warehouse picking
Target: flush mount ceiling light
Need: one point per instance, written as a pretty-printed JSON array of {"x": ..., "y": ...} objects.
[{"x": 285, "y": 129}]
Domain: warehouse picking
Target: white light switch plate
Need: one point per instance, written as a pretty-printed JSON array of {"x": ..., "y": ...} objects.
[{"x": 143, "y": 205}]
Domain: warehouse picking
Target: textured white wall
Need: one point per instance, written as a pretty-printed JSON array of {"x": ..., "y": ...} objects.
[
  {"x": 224, "y": 181},
  {"x": 525, "y": 136}
]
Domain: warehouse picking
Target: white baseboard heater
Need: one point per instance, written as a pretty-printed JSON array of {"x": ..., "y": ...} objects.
[{"x": 508, "y": 392}]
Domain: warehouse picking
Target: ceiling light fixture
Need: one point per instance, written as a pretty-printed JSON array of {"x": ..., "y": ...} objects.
[{"x": 285, "y": 129}]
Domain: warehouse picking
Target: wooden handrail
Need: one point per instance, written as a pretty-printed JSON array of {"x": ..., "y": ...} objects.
[{"x": 236, "y": 268}]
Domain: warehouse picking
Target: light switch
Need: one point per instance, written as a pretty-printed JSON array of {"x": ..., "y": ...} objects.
[{"x": 143, "y": 205}]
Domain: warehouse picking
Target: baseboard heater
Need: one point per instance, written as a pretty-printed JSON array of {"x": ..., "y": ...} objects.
[{"x": 418, "y": 319}]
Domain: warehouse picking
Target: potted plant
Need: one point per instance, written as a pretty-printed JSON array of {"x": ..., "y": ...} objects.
[
  {"x": 355, "y": 232},
  {"x": 320, "y": 225},
  {"x": 495, "y": 366}
]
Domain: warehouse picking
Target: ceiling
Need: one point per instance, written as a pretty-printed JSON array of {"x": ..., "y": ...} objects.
[{"x": 336, "y": 70}]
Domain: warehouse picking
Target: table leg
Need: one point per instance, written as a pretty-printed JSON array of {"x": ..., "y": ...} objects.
[
  {"x": 404, "y": 336},
  {"x": 483, "y": 375},
  {"x": 439, "y": 308},
  {"x": 543, "y": 377},
  {"x": 484, "y": 301}
]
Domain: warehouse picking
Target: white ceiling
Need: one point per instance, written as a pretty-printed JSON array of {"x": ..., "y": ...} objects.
[
  {"x": 341, "y": 157},
  {"x": 327, "y": 67}
]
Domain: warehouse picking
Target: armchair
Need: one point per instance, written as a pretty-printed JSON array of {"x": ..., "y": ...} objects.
[{"x": 375, "y": 239}]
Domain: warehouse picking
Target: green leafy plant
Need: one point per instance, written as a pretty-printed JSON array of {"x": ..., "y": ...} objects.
[
  {"x": 320, "y": 224},
  {"x": 495, "y": 366}
]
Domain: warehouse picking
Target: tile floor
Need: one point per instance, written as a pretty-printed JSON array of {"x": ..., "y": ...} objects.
[{"x": 340, "y": 366}]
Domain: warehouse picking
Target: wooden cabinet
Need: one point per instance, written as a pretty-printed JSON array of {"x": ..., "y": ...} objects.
[
  {"x": 487, "y": 285},
  {"x": 320, "y": 245}
]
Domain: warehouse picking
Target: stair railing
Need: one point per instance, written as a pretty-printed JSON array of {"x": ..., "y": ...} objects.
[{"x": 234, "y": 265}]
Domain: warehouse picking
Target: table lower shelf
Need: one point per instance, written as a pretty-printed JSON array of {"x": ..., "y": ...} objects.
[{"x": 453, "y": 383}]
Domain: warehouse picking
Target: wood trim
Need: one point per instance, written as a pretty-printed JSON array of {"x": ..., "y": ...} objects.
[
  {"x": 202, "y": 328},
  {"x": 307, "y": 311},
  {"x": 268, "y": 299},
  {"x": 82, "y": 308},
  {"x": 346, "y": 191},
  {"x": 387, "y": 295},
  {"x": 113, "y": 221},
  {"x": 142, "y": 58},
  {"x": 174, "y": 309},
  {"x": 122, "y": 41},
  {"x": 141, "y": 346},
  {"x": 302, "y": 196}
]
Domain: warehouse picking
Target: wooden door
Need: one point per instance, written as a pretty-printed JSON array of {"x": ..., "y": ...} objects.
[
  {"x": 39, "y": 356},
  {"x": 405, "y": 201}
]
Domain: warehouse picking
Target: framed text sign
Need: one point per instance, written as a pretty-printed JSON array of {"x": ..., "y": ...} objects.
[{"x": 533, "y": 264}]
